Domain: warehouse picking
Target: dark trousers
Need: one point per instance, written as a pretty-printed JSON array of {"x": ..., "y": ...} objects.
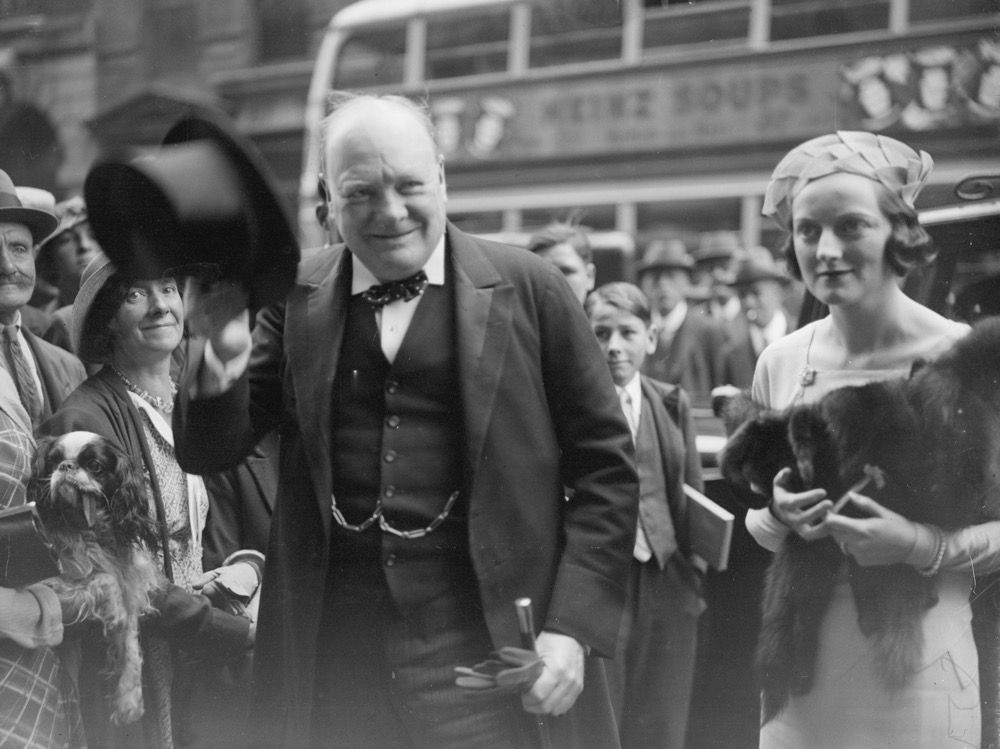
[
  {"x": 653, "y": 670},
  {"x": 386, "y": 681}
]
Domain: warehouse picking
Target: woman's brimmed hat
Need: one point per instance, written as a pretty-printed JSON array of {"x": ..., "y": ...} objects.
[
  {"x": 95, "y": 276},
  {"x": 878, "y": 157}
]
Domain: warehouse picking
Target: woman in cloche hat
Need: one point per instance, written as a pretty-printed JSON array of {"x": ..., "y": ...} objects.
[{"x": 847, "y": 202}]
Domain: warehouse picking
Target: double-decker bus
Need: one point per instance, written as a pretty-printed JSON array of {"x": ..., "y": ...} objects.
[{"x": 658, "y": 116}]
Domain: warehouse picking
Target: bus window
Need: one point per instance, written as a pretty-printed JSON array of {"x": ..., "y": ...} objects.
[
  {"x": 707, "y": 21},
  {"x": 594, "y": 217},
  {"x": 372, "y": 57},
  {"x": 795, "y": 19},
  {"x": 562, "y": 38},
  {"x": 935, "y": 10},
  {"x": 467, "y": 46},
  {"x": 478, "y": 223},
  {"x": 688, "y": 218}
]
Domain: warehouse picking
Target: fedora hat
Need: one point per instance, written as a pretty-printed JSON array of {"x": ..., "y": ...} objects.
[
  {"x": 201, "y": 204},
  {"x": 758, "y": 265},
  {"x": 717, "y": 245},
  {"x": 665, "y": 254},
  {"x": 12, "y": 211}
]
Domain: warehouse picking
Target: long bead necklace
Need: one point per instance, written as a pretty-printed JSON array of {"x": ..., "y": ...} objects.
[{"x": 160, "y": 404}]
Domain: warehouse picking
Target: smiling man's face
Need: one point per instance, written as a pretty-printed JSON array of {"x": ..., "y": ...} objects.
[
  {"x": 17, "y": 269},
  {"x": 387, "y": 188}
]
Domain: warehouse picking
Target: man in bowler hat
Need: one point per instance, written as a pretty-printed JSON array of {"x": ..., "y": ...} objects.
[
  {"x": 760, "y": 286},
  {"x": 438, "y": 397},
  {"x": 689, "y": 344},
  {"x": 44, "y": 374}
]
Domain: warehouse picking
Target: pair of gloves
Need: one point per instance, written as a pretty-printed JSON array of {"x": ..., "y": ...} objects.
[{"x": 509, "y": 669}]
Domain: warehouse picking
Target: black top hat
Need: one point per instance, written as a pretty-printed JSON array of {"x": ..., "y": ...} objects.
[
  {"x": 40, "y": 223},
  {"x": 201, "y": 204},
  {"x": 669, "y": 254}
]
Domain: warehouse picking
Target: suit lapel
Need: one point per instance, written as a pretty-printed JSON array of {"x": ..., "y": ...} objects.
[
  {"x": 483, "y": 313},
  {"x": 314, "y": 331},
  {"x": 671, "y": 440}
]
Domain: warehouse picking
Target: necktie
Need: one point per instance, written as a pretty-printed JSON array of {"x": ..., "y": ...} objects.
[
  {"x": 405, "y": 289},
  {"x": 626, "y": 400},
  {"x": 641, "y": 551},
  {"x": 22, "y": 374}
]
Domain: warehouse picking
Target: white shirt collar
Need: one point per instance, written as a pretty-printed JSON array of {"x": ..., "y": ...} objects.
[
  {"x": 672, "y": 321},
  {"x": 363, "y": 279},
  {"x": 634, "y": 389},
  {"x": 764, "y": 337}
]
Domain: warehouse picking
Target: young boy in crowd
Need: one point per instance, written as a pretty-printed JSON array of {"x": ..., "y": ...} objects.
[{"x": 652, "y": 673}]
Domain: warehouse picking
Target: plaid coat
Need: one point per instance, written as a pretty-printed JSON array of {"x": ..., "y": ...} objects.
[{"x": 38, "y": 702}]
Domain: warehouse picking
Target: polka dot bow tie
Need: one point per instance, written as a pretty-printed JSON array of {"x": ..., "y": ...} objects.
[{"x": 406, "y": 289}]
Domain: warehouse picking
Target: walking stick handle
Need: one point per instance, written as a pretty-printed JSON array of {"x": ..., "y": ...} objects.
[{"x": 526, "y": 627}]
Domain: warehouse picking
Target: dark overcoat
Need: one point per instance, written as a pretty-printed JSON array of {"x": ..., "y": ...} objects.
[{"x": 540, "y": 416}]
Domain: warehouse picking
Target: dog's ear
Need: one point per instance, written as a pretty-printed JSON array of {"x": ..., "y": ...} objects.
[
  {"x": 756, "y": 451},
  {"x": 41, "y": 471},
  {"x": 129, "y": 504}
]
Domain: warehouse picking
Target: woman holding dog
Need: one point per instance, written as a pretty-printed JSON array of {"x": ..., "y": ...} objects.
[
  {"x": 846, "y": 201},
  {"x": 133, "y": 330}
]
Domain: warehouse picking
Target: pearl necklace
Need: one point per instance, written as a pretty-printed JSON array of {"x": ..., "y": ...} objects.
[{"x": 160, "y": 404}]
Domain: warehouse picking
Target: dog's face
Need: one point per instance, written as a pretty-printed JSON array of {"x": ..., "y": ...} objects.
[{"x": 82, "y": 481}]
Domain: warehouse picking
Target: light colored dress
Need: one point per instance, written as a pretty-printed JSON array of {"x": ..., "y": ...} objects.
[
  {"x": 185, "y": 499},
  {"x": 847, "y": 708}
]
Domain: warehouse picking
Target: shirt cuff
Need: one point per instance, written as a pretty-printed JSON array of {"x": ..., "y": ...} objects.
[
  {"x": 215, "y": 376},
  {"x": 31, "y": 617},
  {"x": 766, "y": 529},
  {"x": 924, "y": 547}
]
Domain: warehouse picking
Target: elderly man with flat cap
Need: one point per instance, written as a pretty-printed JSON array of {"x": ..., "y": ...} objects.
[
  {"x": 44, "y": 374},
  {"x": 437, "y": 398}
]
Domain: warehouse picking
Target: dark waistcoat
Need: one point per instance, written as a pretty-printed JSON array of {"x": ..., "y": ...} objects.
[
  {"x": 654, "y": 510},
  {"x": 397, "y": 436}
]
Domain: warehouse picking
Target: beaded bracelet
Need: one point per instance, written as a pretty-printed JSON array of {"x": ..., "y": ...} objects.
[{"x": 935, "y": 566}]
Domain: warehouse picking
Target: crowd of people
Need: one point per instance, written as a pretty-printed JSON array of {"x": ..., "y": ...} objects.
[{"x": 431, "y": 426}]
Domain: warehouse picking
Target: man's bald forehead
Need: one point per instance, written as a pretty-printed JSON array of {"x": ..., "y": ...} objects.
[{"x": 362, "y": 112}]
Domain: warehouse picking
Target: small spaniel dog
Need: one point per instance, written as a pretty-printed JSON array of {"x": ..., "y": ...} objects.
[
  {"x": 930, "y": 445},
  {"x": 91, "y": 499}
]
